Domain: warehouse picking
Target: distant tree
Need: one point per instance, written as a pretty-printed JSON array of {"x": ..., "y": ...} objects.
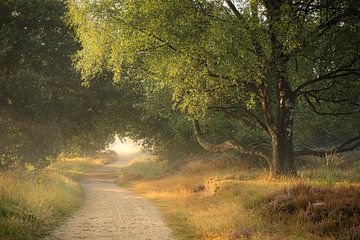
[{"x": 251, "y": 60}]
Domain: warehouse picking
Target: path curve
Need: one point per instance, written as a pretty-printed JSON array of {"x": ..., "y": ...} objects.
[{"x": 112, "y": 213}]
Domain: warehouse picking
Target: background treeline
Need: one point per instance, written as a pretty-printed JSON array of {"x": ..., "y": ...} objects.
[{"x": 44, "y": 107}]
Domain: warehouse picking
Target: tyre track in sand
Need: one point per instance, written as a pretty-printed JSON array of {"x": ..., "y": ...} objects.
[{"x": 112, "y": 213}]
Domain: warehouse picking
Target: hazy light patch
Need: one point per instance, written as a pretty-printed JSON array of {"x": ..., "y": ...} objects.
[{"x": 127, "y": 146}]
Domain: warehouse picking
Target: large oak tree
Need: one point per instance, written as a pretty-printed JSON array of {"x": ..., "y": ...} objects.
[{"x": 252, "y": 60}]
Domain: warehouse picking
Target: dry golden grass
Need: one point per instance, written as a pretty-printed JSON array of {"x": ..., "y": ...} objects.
[
  {"x": 211, "y": 215},
  {"x": 210, "y": 200},
  {"x": 30, "y": 204},
  {"x": 76, "y": 166},
  {"x": 34, "y": 202}
]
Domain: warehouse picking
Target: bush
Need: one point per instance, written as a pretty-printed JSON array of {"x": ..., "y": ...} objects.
[{"x": 328, "y": 211}]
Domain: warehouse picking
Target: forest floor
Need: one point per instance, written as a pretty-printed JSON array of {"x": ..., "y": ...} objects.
[{"x": 110, "y": 212}]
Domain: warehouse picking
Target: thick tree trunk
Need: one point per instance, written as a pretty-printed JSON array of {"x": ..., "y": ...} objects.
[
  {"x": 282, "y": 157},
  {"x": 282, "y": 152}
]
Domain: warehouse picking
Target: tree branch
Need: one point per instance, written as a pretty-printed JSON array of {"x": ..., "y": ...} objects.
[
  {"x": 312, "y": 106},
  {"x": 221, "y": 88},
  {"x": 240, "y": 81},
  {"x": 227, "y": 145},
  {"x": 143, "y": 31},
  {"x": 317, "y": 98},
  {"x": 203, "y": 10},
  {"x": 333, "y": 81},
  {"x": 342, "y": 71},
  {"x": 151, "y": 48},
  {"x": 233, "y": 9},
  {"x": 246, "y": 115},
  {"x": 344, "y": 147},
  {"x": 336, "y": 18}
]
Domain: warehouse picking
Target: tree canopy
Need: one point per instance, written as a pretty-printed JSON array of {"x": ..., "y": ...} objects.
[
  {"x": 266, "y": 78},
  {"x": 45, "y": 109},
  {"x": 257, "y": 62}
]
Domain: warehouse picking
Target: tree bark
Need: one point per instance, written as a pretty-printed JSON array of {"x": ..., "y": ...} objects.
[
  {"x": 282, "y": 156},
  {"x": 282, "y": 152},
  {"x": 281, "y": 132}
]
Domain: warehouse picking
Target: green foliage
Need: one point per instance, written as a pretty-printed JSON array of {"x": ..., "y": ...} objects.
[
  {"x": 159, "y": 127},
  {"x": 45, "y": 109},
  {"x": 148, "y": 67},
  {"x": 204, "y": 57},
  {"x": 34, "y": 58},
  {"x": 174, "y": 51}
]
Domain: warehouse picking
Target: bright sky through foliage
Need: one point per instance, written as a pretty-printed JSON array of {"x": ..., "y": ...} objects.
[{"x": 126, "y": 146}]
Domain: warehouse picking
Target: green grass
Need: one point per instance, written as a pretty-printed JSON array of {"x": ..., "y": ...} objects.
[{"x": 32, "y": 203}]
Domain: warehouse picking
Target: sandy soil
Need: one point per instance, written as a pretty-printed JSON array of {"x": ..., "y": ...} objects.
[{"x": 112, "y": 213}]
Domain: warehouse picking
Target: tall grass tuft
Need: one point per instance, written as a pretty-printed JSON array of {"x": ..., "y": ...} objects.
[{"x": 31, "y": 204}]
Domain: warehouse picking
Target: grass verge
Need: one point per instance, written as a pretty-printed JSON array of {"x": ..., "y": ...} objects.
[
  {"x": 32, "y": 202},
  {"x": 215, "y": 199}
]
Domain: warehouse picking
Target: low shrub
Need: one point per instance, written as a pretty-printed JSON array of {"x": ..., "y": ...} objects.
[{"x": 328, "y": 211}]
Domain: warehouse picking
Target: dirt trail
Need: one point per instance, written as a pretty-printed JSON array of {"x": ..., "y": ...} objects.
[{"x": 112, "y": 213}]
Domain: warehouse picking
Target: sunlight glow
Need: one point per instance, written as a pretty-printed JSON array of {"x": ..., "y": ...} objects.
[{"x": 124, "y": 146}]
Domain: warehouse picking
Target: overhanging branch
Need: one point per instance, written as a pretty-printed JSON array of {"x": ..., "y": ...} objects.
[
  {"x": 242, "y": 113},
  {"x": 318, "y": 90},
  {"x": 336, "y": 101},
  {"x": 348, "y": 145},
  {"x": 227, "y": 145},
  {"x": 313, "y": 107},
  {"x": 239, "y": 82},
  {"x": 342, "y": 71}
]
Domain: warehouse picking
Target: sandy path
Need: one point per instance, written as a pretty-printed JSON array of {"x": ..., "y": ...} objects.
[{"x": 112, "y": 213}]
